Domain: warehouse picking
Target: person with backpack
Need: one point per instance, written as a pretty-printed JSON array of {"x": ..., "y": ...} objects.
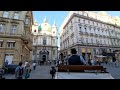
[
  {"x": 19, "y": 71},
  {"x": 27, "y": 71},
  {"x": 53, "y": 71}
]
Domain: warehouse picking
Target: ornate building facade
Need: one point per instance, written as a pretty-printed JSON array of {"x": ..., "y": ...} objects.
[
  {"x": 44, "y": 41},
  {"x": 91, "y": 34},
  {"x": 15, "y": 36}
]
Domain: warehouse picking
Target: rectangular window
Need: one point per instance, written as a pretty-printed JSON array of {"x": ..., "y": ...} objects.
[
  {"x": 16, "y": 15},
  {"x": 53, "y": 52},
  {"x": 11, "y": 44},
  {"x": 80, "y": 28},
  {"x": 14, "y": 29},
  {"x": 86, "y": 40},
  {"x": 53, "y": 41},
  {"x": 5, "y": 14},
  {"x": 1, "y": 44},
  {"x": 88, "y": 22},
  {"x": 2, "y": 27},
  {"x": 27, "y": 20},
  {"x": 83, "y": 21},
  {"x": 91, "y": 40},
  {"x": 44, "y": 41}
]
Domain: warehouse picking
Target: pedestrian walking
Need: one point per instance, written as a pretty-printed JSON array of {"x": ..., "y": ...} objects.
[
  {"x": 34, "y": 65},
  {"x": 53, "y": 71},
  {"x": 26, "y": 63},
  {"x": 27, "y": 71},
  {"x": 19, "y": 71}
]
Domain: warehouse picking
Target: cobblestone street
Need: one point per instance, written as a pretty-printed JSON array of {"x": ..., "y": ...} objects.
[{"x": 42, "y": 72}]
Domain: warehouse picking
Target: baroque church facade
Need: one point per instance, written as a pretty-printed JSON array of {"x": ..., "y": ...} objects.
[{"x": 44, "y": 41}]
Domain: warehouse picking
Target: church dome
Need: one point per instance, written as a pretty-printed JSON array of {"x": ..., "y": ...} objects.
[{"x": 45, "y": 26}]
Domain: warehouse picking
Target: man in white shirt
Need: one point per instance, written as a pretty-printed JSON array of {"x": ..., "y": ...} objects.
[
  {"x": 34, "y": 65},
  {"x": 26, "y": 63}
]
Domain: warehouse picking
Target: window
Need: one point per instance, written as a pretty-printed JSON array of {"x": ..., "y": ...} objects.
[
  {"x": 11, "y": 44},
  {"x": 44, "y": 41},
  {"x": 104, "y": 42},
  {"x": 5, "y": 14},
  {"x": 2, "y": 27},
  {"x": 16, "y": 15},
  {"x": 1, "y": 44},
  {"x": 78, "y": 20},
  {"x": 14, "y": 28},
  {"x": 88, "y": 22},
  {"x": 27, "y": 20},
  {"x": 53, "y": 41},
  {"x": 80, "y": 28},
  {"x": 83, "y": 21},
  {"x": 100, "y": 41},
  {"x": 91, "y": 40},
  {"x": 96, "y": 41},
  {"x": 97, "y": 23},
  {"x": 86, "y": 40},
  {"x": 53, "y": 52}
]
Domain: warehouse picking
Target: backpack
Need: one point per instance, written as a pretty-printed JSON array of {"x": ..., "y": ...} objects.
[{"x": 20, "y": 72}]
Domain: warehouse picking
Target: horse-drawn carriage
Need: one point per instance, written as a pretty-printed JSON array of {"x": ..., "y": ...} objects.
[{"x": 82, "y": 72}]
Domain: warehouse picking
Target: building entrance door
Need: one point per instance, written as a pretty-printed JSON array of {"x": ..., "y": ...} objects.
[{"x": 44, "y": 57}]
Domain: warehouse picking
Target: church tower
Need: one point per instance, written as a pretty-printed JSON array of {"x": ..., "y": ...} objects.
[{"x": 54, "y": 29}]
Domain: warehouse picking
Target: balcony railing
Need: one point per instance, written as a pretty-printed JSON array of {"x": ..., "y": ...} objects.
[{"x": 16, "y": 35}]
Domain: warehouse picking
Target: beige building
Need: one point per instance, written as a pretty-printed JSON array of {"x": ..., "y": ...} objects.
[
  {"x": 15, "y": 36},
  {"x": 44, "y": 41},
  {"x": 91, "y": 33}
]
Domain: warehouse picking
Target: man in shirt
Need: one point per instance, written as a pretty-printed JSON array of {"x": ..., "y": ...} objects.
[
  {"x": 76, "y": 59},
  {"x": 19, "y": 71}
]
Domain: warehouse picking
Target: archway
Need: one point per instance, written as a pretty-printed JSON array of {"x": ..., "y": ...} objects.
[{"x": 44, "y": 58}]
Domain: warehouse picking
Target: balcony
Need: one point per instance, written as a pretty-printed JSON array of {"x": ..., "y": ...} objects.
[
  {"x": 4, "y": 20},
  {"x": 9, "y": 35}
]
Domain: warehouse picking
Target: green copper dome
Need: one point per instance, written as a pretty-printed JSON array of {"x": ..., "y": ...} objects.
[{"x": 45, "y": 26}]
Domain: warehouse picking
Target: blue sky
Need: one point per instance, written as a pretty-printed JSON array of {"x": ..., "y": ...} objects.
[{"x": 58, "y": 17}]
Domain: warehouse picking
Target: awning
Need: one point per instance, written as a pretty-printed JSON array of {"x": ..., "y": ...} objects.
[{"x": 100, "y": 56}]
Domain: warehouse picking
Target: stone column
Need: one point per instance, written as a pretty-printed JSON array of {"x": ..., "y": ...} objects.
[
  {"x": 79, "y": 51},
  {"x": 86, "y": 55},
  {"x": 93, "y": 54}
]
